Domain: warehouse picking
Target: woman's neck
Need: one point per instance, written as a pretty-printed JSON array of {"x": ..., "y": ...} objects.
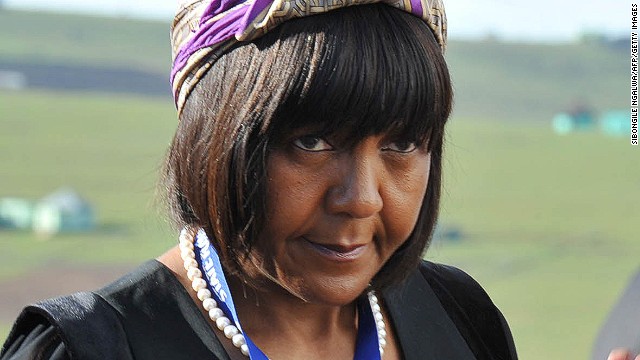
[
  {"x": 285, "y": 326},
  {"x": 281, "y": 325}
]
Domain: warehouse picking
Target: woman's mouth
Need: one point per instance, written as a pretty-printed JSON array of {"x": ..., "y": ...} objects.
[{"x": 335, "y": 252}]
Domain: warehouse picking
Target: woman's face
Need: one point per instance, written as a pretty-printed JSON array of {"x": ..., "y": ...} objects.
[{"x": 335, "y": 214}]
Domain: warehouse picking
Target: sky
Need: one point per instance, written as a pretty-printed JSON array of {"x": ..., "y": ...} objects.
[{"x": 512, "y": 20}]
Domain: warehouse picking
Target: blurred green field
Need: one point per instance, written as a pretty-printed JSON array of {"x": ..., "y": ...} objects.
[
  {"x": 549, "y": 222},
  {"x": 109, "y": 148},
  {"x": 84, "y": 40},
  {"x": 506, "y": 81},
  {"x": 551, "y": 226},
  {"x": 532, "y": 82}
]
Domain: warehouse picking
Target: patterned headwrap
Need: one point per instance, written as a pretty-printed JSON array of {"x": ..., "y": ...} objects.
[{"x": 204, "y": 29}]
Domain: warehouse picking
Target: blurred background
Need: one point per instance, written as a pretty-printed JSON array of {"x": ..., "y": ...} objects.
[{"x": 542, "y": 189}]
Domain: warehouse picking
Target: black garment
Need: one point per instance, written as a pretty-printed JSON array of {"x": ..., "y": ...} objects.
[
  {"x": 622, "y": 328},
  {"x": 438, "y": 313}
]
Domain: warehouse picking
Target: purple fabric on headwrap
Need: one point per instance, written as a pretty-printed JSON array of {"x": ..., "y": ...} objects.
[
  {"x": 416, "y": 7},
  {"x": 202, "y": 30},
  {"x": 208, "y": 35}
]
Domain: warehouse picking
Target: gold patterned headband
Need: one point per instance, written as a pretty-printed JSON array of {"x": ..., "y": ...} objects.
[{"x": 203, "y": 29}]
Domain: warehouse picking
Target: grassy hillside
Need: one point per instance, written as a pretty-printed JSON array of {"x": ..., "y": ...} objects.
[
  {"x": 48, "y": 37},
  {"x": 493, "y": 80},
  {"x": 510, "y": 81},
  {"x": 109, "y": 148}
]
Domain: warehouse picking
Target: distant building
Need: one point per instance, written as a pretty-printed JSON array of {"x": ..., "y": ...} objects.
[
  {"x": 564, "y": 123},
  {"x": 63, "y": 211},
  {"x": 616, "y": 122},
  {"x": 580, "y": 118},
  {"x": 612, "y": 122}
]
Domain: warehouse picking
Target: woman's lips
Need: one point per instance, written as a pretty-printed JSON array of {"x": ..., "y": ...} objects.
[{"x": 338, "y": 252}]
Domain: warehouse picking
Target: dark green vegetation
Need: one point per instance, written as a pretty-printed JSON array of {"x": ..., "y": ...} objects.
[
  {"x": 493, "y": 80},
  {"x": 549, "y": 223},
  {"x": 109, "y": 148},
  {"x": 534, "y": 81},
  {"x": 83, "y": 40}
]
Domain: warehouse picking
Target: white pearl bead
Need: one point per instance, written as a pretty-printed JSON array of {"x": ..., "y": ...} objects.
[
  {"x": 378, "y": 317},
  {"x": 382, "y": 333},
  {"x": 204, "y": 294},
  {"x": 187, "y": 253},
  {"x": 380, "y": 324},
  {"x": 244, "y": 348},
  {"x": 215, "y": 314},
  {"x": 222, "y": 321},
  {"x": 238, "y": 340},
  {"x": 198, "y": 283},
  {"x": 375, "y": 308},
  {"x": 185, "y": 235},
  {"x": 185, "y": 245},
  {"x": 373, "y": 298},
  {"x": 381, "y": 351},
  {"x": 190, "y": 263},
  {"x": 230, "y": 331},
  {"x": 209, "y": 304},
  {"x": 194, "y": 272},
  {"x": 382, "y": 342}
]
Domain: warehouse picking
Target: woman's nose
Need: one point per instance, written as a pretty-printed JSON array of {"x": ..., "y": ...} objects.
[{"x": 357, "y": 189}]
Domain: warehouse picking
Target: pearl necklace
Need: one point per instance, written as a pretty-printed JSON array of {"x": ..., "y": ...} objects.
[{"x": 223, "y": 323}]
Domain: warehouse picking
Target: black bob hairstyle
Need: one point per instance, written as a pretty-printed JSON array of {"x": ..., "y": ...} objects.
[{"x": 359, "y": 71}]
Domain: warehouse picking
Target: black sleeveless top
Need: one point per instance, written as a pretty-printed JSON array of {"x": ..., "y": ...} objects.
[{"x": 440, "y": 312}]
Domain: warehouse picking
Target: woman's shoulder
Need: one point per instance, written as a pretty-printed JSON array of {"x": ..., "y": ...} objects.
[
  {"x": 460, "y": 301},
  {"x": 40, "y": 340},
  {"x": 469, "y": 306},
  {"x": 146, "y": 314},
  {"x": 79, "y": 325},
  {"x": 453, "y": 283}
]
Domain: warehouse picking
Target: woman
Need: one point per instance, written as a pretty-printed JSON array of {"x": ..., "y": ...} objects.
[{"x": 305, "y": 174}]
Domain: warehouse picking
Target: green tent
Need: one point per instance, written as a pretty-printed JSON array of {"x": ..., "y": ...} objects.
[
  {"x": 15, "y": 213},
  {"x": 63, "y": 211}
]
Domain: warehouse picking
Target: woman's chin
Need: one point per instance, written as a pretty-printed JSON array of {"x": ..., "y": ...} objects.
[
  {"x": 315, "y": 286},
  {"x": 331, "y": 293}
]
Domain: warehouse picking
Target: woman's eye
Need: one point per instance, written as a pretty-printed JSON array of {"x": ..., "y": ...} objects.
[
  {"x": 312, "y": 143},
  {"x": 401, "y": 146}
]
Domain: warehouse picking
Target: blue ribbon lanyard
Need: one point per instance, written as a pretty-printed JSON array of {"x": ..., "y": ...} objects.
[{"x": 211, "y": 267}]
